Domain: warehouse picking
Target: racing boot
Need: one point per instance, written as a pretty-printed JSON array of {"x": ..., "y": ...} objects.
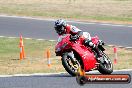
[{"x": 90, "y": 44}]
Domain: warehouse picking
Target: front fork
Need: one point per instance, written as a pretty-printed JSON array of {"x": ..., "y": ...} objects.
[
  {"x": 72, "y": 57},
  {"x": 74, "y": 61}
]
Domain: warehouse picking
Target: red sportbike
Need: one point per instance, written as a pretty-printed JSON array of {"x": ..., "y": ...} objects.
[{"x": 75, "y": 55}]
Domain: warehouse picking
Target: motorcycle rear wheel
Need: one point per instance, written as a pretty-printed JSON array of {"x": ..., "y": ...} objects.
[
  {"x": 68, "y": 65},
  {"x": 107, "y": 66}
]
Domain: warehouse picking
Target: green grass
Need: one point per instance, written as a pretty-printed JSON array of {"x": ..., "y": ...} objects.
[
  {"x": 36, "y": 62},
  {"x": 96, "y": 10}
]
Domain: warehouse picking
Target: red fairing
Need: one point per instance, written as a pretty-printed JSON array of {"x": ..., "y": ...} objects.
[
  {"x": 87, "y": 56},
  {"x": 61, "y": 41}
]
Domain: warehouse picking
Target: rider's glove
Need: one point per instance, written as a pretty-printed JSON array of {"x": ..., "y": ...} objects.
[{"x": 74, "y": 38}]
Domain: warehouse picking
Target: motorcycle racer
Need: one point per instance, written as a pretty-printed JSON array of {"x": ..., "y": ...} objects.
[{"x": 61, "y": 27}]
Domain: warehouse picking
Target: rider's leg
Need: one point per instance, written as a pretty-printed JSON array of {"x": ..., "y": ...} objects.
[{"x": 90, "y": 44}]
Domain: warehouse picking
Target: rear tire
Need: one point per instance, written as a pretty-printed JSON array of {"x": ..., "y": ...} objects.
[{"x": 107, "y": 66}]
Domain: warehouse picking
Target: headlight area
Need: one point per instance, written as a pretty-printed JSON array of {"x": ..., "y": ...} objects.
[{"x": 59, "y": 49}]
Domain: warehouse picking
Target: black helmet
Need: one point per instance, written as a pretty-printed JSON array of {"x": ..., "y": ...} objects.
[{"x": 59, "y": 26}]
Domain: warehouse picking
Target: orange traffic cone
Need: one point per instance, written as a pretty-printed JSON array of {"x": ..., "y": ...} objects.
[
  {"x": 48, "y": 57},
  {"x": 22, "y": 53}
]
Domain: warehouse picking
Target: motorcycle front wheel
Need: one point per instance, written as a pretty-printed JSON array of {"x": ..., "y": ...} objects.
[{"x": 70, "y": 67}]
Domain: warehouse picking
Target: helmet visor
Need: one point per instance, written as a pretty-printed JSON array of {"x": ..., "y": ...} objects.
[{"x": 59, "y": 30}]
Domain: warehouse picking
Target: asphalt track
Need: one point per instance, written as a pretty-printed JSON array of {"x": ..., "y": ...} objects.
[
  {"x": 114, "y": 34},
  {"x": 54, "y": 81},
  {"x": 43, "y": 29}
]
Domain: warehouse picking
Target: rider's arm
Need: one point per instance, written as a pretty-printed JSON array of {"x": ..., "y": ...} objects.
[{"x": 74, "y": 31}]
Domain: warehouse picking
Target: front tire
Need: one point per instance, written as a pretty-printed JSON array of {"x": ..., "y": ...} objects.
[
  {"x": 106, "y": 67},
  {"x": 68, "y": 65}
]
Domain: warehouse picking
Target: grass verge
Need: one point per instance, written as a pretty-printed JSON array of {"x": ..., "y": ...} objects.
[
  {"x": 36, "y": 62},
  {"x": 104, "y": 10}
]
